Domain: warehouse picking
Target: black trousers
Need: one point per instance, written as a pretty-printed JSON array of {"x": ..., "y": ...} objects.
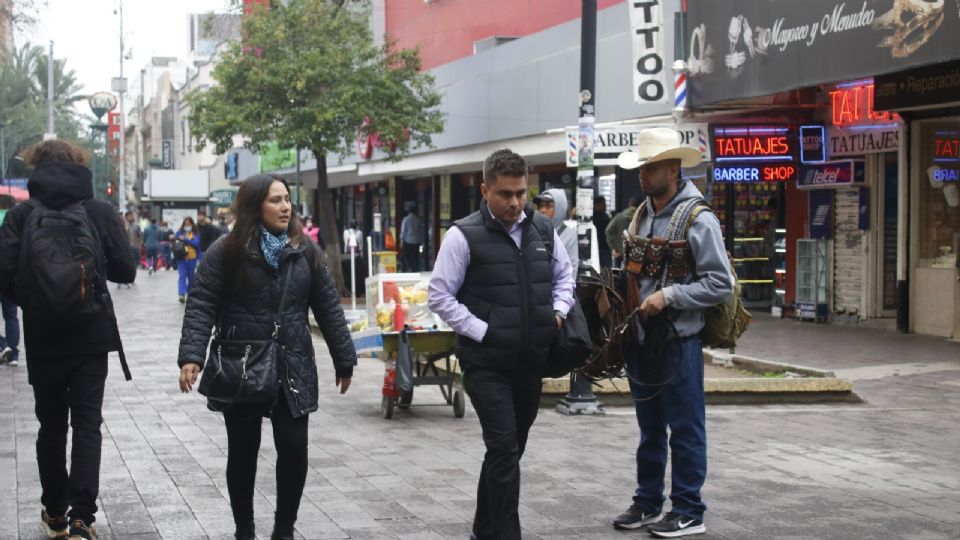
[
  {"x": 506, "y": 403},
  {"x": 410, "y": 254},
  {"x": 77, "y": 395},
  {"x": 243, "y": 448}
]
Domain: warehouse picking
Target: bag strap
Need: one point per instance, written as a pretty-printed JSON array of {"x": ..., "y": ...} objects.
[{"x": 283, "y": 301}]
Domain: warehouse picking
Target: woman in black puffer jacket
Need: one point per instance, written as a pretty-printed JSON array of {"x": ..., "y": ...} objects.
[{"x": 239, "y": 285}]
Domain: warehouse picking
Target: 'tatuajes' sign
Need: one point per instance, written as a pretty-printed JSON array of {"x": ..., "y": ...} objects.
[{"x": 746, "y": 48}]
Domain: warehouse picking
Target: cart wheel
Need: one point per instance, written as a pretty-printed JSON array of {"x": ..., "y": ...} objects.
[
  {"x": 459, "y": 405},
  {"x": 386, "y": 407},
  {"x": 406, "y": 399}
]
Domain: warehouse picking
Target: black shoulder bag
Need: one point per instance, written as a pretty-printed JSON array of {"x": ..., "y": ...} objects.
[
  {"x": 571, "y": 346},
  {"x": 245, "y": 372}
]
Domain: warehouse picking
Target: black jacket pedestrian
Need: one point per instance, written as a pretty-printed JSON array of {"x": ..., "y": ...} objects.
[
  {"x": 57, "y": 185},
  {"x": 249, "y": 314},
  {"x": 208, "y": 235}
]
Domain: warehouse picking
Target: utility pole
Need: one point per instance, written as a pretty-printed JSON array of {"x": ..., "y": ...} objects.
[
  {"x": 50, "y": 134},
  {"x": 120, "y": 87},
  {"x": 580, "y": 399}
]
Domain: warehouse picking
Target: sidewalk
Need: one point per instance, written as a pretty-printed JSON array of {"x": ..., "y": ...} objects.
[{"x": 887, "y": 469}]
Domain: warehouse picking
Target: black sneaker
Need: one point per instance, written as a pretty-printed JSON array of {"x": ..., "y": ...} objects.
[
  {"x": 634, "y": 518},
  {"x": 79, "y": 530},
  {"x": 55, "y": 526},
  {"x": 674, "y": 525}
]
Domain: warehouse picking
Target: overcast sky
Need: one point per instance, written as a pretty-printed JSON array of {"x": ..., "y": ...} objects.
[{"x": 87, "y": 34}]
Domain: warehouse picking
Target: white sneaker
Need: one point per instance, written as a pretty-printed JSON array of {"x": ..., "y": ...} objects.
[{"x": 5, "y": 355}]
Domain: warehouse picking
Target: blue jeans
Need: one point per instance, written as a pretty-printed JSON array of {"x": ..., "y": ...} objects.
[
  {"x": 11, "y": 337},
  {"x": 677, "y": 403},
  {"x": 187, "y": 268},
  {"x": 166, "y": 254},
  {"x": 153, "y": 254}
]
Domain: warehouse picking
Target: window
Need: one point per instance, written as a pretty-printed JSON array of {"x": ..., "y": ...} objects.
[{"x": 938, "y": 193}]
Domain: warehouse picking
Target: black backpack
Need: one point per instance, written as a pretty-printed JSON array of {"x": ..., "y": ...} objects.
[
  {"x": 61, "y": 270},
  {"x": 179, "y": 249}
]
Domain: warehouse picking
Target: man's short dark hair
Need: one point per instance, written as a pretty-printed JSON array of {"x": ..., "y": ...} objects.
[
  {"x": 503, "y": 162},
  {"x": 7, "y": 201},
  {"x": 201, "y": 212}
]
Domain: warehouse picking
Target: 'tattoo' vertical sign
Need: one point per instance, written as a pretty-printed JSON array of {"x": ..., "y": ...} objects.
[{"x": 649, "y": 64}]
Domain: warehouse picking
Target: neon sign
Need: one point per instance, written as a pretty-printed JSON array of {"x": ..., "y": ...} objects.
[
  {"x": 946, "y": 175},
  {"x": 852, "y": 103},
  {"x": 753, "y": 144},
  {"x": 757, "y": 173},
  {"x": 946, "y": 146}
]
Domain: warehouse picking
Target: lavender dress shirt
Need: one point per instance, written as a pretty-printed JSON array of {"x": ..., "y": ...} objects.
[{"x": 450, "y": 269}]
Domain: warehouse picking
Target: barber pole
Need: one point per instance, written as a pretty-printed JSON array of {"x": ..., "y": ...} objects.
[{"x": 679, "y": 89}]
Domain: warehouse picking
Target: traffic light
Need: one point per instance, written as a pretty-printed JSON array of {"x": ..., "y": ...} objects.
[{"x": 110, "y": 189}]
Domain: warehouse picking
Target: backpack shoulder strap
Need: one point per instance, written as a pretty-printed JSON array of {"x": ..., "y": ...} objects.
[
  {"x": 545, "y": 229},
  {"x": 698, "y": 209},
  {"x": 637, "y": 216}
]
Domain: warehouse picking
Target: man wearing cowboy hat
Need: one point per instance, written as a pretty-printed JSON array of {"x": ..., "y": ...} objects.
[{"x": 665, "y": 366}]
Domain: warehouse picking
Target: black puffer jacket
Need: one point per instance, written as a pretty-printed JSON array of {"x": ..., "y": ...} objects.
[
  {"x": 250, "y": 314},
  {"x": 53, "y": 353}
]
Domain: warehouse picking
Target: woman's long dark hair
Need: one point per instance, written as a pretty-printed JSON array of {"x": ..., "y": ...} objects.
[{"x": 246, "y": 210}]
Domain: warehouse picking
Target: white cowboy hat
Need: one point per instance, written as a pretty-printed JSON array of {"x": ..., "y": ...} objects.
[{"x": 659, "y": 144}]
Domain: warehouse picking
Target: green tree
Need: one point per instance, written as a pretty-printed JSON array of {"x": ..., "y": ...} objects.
[
  {"x": 23, "y": 101},
  {"x": 306, "y": 75}
]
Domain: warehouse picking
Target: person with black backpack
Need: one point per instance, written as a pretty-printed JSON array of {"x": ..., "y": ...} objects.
[{"x": 57, "y": 251}]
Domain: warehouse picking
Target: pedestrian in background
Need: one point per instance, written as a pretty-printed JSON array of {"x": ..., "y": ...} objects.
[
  {"x": 134, "y": 236},
  {"x": 615, "y": 228},
  {"x": 411, "y": 238},
  {"x": 505, "y": 309},
  {"x": 67, "y": 363},
  {"x": 166, "y": 251},
  {"x": 239, "y": 285},
  {"x": 10, "y": 340},
  {"x": 353, "y": 240},
  {"x": 208, "y": 231},
  {"x": 187, "y": 265},
  {"x": 552, "y": 203},
  {"x": 311, "y": 230},
  {"x": 665, "y": 363},
  {"x": 600, "y": 222},
  {"x": 152, "y": 236}
]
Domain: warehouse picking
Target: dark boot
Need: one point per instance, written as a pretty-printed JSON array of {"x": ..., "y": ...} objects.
[
  {"x": 282, "y": 531},
  {"x": 246, "y": 531}
]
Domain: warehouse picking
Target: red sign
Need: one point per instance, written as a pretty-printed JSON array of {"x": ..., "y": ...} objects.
[
  {"x": 946, "y": 146},
  {"x": 754, "y": 144},
  {"x": 854, "y": 105},
  {"x": 113, "y": 133}
]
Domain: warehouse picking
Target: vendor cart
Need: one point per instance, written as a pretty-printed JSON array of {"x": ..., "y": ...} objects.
[{"x": 432, "y": 365}]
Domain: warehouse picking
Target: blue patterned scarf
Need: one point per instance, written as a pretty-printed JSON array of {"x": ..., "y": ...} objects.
[{"x": 272, "y": 245}]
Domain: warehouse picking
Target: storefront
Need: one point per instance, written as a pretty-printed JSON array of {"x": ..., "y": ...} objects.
[
  {"x": 927, "y": 98},
  {"x": 750, "y": 167},
  {"x": 870, "y": 222}
]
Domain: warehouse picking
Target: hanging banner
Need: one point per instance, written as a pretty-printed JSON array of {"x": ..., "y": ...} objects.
[
  {"x": 746, "y": 48},
  {"x": 585, "y": 145},
  {"x": 651, "y": 79}
]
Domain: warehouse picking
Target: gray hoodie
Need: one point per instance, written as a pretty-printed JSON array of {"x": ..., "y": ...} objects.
[
  {"x": 568, "y": 235},
  {"x": 712, "y": 282}
]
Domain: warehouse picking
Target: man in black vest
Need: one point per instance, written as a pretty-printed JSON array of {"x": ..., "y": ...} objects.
[{"x": 505, "y": 290}]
